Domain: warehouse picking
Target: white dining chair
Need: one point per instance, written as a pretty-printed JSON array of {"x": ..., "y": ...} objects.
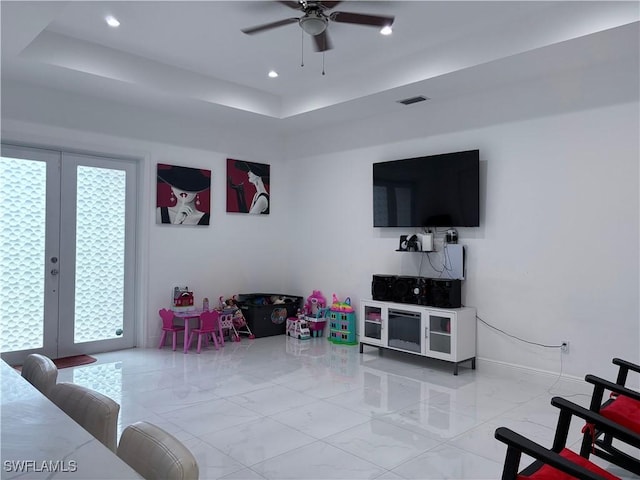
[
  {"x": 156, "y": 454},
  {"x": 41, "y": 372},
  {"x": 95, "y": 412}
]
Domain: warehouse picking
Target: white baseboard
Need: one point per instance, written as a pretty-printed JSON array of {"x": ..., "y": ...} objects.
[{"x": 495, "y": 365}]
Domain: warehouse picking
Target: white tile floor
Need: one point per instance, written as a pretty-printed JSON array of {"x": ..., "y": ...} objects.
[{"x": 282, "y": 408}]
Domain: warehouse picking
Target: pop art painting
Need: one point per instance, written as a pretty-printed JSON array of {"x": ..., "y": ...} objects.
[
  {"x": 248, "y": 187},
  {"x": 183, "y": 195}
]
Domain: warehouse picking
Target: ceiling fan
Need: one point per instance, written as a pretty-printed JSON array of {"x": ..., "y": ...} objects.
[{"x": 316, "y": 19}]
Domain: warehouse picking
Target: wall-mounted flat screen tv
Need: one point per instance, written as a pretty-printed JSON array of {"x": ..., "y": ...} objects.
[{"x": 434, "y": 191}]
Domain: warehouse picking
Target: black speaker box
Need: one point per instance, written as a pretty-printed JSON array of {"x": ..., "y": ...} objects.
[
  {"x": 410, "y": 290},
  {"x": 402, "y": 247},
  {"x": 382, "y": 287},
  {"x": 444, "y": 293}
]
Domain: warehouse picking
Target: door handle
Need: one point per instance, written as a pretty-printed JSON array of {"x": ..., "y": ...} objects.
[{"x": 54, "y": 271}]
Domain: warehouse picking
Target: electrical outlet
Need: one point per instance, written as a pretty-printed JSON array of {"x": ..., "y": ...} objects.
[{"x": 565, "y": 346}]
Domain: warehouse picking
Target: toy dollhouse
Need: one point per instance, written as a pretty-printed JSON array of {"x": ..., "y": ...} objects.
[
  {"x": 182, "y": 299},
  {"x": 342, "y": 322}
]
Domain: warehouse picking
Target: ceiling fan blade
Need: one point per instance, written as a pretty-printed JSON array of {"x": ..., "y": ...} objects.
[
  {"x": 269, "y": 26},
  {"x": 321, "y": 42},
  {"x": 294, "y": 5},
  {"x": 329, "y": 5},
  {"x": 362, "y": 19}
]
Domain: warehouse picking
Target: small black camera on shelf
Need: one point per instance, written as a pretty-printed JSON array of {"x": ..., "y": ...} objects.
[{"x": 409, "y": 243}]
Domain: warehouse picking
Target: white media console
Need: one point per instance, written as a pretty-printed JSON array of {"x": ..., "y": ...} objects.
[{"x": 441, "y": 333}]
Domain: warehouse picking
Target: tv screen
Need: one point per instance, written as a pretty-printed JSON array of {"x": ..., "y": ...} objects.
[{"x": 434, "y": 191}]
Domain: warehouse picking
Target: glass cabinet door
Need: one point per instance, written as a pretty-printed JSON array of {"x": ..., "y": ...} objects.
[
  {"x": 373, "y": 322},
  {"x": 439, "y": 338}
]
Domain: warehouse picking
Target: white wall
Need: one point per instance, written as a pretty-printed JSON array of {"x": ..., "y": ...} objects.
[
  {"x": 555, "y": 257},
  {"x": 235, "y": 254}
]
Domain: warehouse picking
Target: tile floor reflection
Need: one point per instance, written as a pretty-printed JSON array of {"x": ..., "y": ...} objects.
[{"x": 282, "y": 408}]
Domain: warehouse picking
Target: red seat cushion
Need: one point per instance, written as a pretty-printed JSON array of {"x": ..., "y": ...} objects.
[
  {"x": 547, "y": 472},
  {"x": 624, "y": 411}
]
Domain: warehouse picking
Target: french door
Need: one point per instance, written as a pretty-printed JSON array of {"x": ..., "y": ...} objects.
[{"x": 67, "y": 253}]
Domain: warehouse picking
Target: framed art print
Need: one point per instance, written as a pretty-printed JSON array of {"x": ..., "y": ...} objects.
[
  {"x": 248, "y": 187},
  {"x": 183, "y": 195}
]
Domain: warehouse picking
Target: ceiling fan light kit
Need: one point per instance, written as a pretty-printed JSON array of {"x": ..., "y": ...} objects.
[{"x": 313, "y": 23}]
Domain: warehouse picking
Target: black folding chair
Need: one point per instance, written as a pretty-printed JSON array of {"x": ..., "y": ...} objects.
[
  {"x": 623, "y": 408},
  {"x": 557, "y": 461}
]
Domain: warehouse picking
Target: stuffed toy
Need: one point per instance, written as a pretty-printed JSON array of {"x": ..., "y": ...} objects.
[{"x": 277, "y": 300}]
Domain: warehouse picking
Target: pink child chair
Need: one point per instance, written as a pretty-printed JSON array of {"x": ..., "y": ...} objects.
[
  {"x": 209, "y": 324},
  {"x": 168, "y": 326}
]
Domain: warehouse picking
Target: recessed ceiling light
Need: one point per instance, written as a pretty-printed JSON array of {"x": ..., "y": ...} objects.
[
  {"x": 272, "y": 74},
  {"x": 386, "y": 30},
  {"x": 112, "y": 21}
]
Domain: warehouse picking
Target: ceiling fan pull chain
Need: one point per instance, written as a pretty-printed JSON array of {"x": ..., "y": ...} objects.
[
  {"x": 302, "y": 48},
  {"x": 322, "y": 63}
]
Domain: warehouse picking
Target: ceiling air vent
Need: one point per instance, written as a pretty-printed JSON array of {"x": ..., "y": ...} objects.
[{"x": 409, "y": 101}]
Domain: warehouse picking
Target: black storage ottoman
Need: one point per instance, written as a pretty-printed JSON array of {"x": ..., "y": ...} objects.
[{"x": 266, "y": 318}]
